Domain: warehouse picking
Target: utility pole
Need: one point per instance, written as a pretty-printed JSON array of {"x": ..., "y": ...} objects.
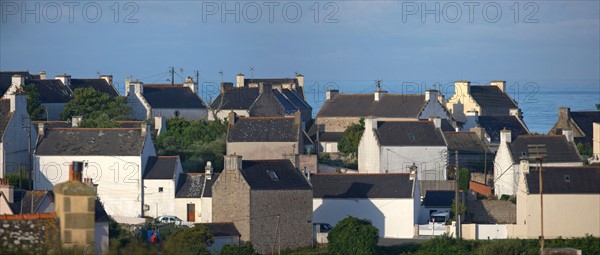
[
  {"x": 456, "y": 198},
  {"x": 538, "y": 152},
  {"x": 198, "y": 82},
  {"x": 172, "y": 75}
]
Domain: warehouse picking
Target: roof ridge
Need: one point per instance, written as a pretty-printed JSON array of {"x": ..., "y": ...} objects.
[
  {"x": 76, "y": 128},
  {"x": 360, "y": 174}
]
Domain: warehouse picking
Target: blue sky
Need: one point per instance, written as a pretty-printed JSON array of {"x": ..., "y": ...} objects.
[{"x": 546, "y": 42}]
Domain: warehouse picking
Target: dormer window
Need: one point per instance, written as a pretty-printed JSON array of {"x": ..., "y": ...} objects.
[
  {"x": 567, "y": 178},
  {"x": 411, "y": 137}
]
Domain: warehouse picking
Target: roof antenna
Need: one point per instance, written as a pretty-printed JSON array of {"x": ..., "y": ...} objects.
[
  {"x": 378, "y": 85},
  {"x": 251, "y": 72}
]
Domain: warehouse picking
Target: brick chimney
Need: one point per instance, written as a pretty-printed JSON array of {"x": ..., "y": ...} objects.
[
  {"x": 76, "y": 171},
  {"x": 225, "y": 86},
  {"x": 65, "y": 78},
  {"x": 330, "y": 93},
  {"x": 7, "y": 190},
  {"x": 232, "y": 118},
  {"x": 239, "y": 80},
  {"x": 564, "y": 113},
  {"x": 208, "y": 171},
  {"x": 500, "y": 84}
]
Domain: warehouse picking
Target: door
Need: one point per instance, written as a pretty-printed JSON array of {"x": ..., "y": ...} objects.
[{"x": 191, "y": 212}]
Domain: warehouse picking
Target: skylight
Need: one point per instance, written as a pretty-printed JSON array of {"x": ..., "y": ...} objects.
[{"x": 273, "y": 175}]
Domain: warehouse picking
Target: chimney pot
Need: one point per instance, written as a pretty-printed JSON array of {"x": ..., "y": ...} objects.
[
  {"x": 431, "y": 94},
  {"x": 42, "y": 75},
  {"x": 330, "y": 93},
  {"x": 208, "y": 170},
  {"x": 505, "y": 136},
  {"x": 437, "y": 121},
  {"x": 239, "y": 80},
  {"x": 500, "y": 84},
  {"x": 568, "y": 133}
]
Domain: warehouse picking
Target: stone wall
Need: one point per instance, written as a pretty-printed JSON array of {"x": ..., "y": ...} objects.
[
  {"x": 36, "y": 233},
  {"x": 335, "y": 124},
  {"x": 231, "y": 201}
]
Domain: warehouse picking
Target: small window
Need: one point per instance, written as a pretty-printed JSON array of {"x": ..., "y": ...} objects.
[
  {"x": 177, "y": 113},
  {"x": 273, "y": 175},
  {"x": 567, "y": 178},
  {"x": 160, "y": 189},
  {"x": 411, "y": 137}
]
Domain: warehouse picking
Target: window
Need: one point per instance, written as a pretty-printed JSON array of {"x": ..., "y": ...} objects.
[
  {"x": 411, "y": 137},
  {"x": 177, "y": 114},
  {"x": 567, "y": 178},
  {"x": 273, "y": 175},
  {"x": 160, "y": 189}
]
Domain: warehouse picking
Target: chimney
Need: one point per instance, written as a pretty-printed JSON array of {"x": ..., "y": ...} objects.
[
  {"x": 189, "y": 82},
  {"x": 515, "y": 112},
  {"x": 239, "y": 80},
  {"x": 41, "y": 129},
  {"x": 232, "y": 162},
  {"x": 437, "y": 121},
  {"x": 225, "y": 86},
  {"x": 330, "y": 93},
  {"x": 264, "y": 87},
  {"x": 500, "y": 84},
  {"x": 298, "y": 118},
  {"x": 145, "y": 128},
  {"x": 472, "y": 120},
  {"x": 138, "y": 87},
  {"x": 564, "y": 113},
  {"x": 208, "y": 171},
  {"x": 505, "y": 136},
  {"x": 42, "y": 75},
  {"x": 18, "y": 80},
  {"x": 480, "y": 132},
  {"x": 431, "y": 94},
  {"x": 462, "y": 88},
  {"x": 524, "y": 166},
  {"x": 596, "y": 140},
  {"x": 65, "y": 78},
  {"x": 370, "y": 123},
  {"x": 568, "y": 133},
  {"x": 413, "y": 172},
  {"x": 379, "y": 93},
  {"x": 300, "y": 79},
  {"x": 108, "y": 78},
  {"x": 7, "y": 190},
  {"x": 76, "y": 121},
  {"x": 441, "y": 99},
  {"x": 75, "y": 171},
  {"x": 160, "y": 125},
  {"x": 232, "y": 118},
  {"x": 18, "y": 101}
]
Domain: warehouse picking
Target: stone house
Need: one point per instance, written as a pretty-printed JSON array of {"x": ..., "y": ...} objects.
[
  {"x": 193, "y": 199},
  {"x": 14, "y": 139},
  {"x": 224, "y": 233},
  {"x": 581, "y": 122},
  {"x": 571, "y": 202},
  {"x": 114, "y": 158},
  {"x": 396, "y": 146},
  {"x": 19, "y": 201},
  {"x": 392, "y": 202},
  {"x": 258, "y": 138},
  {"x": 488, "y": 127},
  {"x": 341, "y": 110},
  {"x": 560, "y": 150},
  {"x": 165, "y": 100},
  {"x": 262, "y": 98},
  {"x": 487, "y": 100},
  {"x": 269, "y": 201},
  {"x": 161, "y": 176}
]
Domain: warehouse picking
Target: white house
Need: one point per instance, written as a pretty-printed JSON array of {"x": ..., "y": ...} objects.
[
  {"x": 114, "y": 158},
  {"x": 170, "y": 101},
  {"x": 560, "y": 150},
  {"x": 395, "y": 146},
  {"x": 193, "y": 198},
  {"x": 160, "y": 180},
  {"x": 14, "y": 122},
  {"x": 390, "y": 201}
]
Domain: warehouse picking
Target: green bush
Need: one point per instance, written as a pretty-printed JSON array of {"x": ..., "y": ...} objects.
[
  {"x": 193, "y": 241},
  {"x": 243, "y": 249},
  {"x": 353, "y": 236}
]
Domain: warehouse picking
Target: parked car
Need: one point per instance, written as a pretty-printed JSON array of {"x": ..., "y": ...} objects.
[
  {"x": 169, "y": 219},
  {"x": 320, "y": 232}
]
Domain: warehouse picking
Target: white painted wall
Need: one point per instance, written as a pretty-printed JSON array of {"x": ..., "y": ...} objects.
[
  {"x": 138, "y": 111},
  {"x": 101, "y": 237},
  {"x": 206, "y": 213},
  {"x": 181, "y": 207},
  {"x": 369, "y": 152},
  {"x": 13, "y": 148},
  {"x": 393, "y": 217},
  {"x": 160, "y": 203},
  {"x": 430, "y": 160},
  {"x": 488, "y": 231},
  {"x": 223, "y": 114},
  {"x": 262, "y": 150},
  {"x": 434, "y": 108},
  {"x": 192, "y": 114}
]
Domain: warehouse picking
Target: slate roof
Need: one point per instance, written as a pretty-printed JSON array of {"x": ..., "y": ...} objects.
[
  {"x": 427, "y": 185},
  {"x": 489, "y": 96},
  {"x": 557, "y": 147},
  {"x": 409, "y": 133},
  {"x": 100, "y": 214},
  {"x": 447, "y": 126},
  {"x": 362, "y": 105},
  {"x": 6, "y": 79},
  {"x": 91, "y": 141},
  {"x": 51, "y": 90},
  {"x": 585, "y": 121},
  {"x": 565, "y": 180},
  {"x": 22, "y": 200},
  {"x": 493, "y": 125},
  {"x": 264, "y": 129},
  {"x": 354, "y": 186},
  {"x": 465, "y": 142},
  {"x": 256, "y": 173},
  {"x": 192, "y": 185},
  {"x": 5, "y": 116},
  {"x": 236, "y": 98},
  {"x": 99, "y": 85},
  {"x": 172, "y": 97},
  {"x": 272, "y": 102},
  {"x": 222, "y": 229},
  {"x": 330, "y": 136},
  {"x": 161, "y": 167},
  {"x": 439, "y": 198}
]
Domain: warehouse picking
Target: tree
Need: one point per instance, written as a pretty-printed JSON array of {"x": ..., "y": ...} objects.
[
  {"x": 462, "y": 209},
  {"x": 96, "y": 107},
  {"x": 353, "y": 236},
  {"x": 349, "y": 142},
  {"x": 463, "y": 179},
  {"x": 34, "y": 107},
  {"x": 193, "y": 240},
  {"x": 597, "y": 106},
  {"x": 19, "y": 179},
  {"x": 244, "y": 249}
]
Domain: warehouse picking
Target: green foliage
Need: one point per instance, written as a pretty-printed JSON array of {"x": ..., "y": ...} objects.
[
  {"x": 462, "y": 209},
  {"x": 96, "y": 107},
  {"x": 195, "y": 141},
  {"x": 101, "y": 121},
  {"x": 349, "y": 142},
  {"x": 193, "y": 240},
  {"x": 19, "y": 179},
  {"x": 597, "y": 106},
  {"x": 34, "y": 106},
  {"x": 463, "y": 179},
  {"x": 243, "y": 249},
  {"x": 353, "y": 236},
  {"x": 584, "y": 150}
]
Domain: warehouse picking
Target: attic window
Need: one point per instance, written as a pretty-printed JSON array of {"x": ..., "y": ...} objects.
[
  {"x": 411, "y": 137},
  {"x": 567, "y": 178},
  {"x": 160, "y": 189},
  {"x": 273, "y": 175}
]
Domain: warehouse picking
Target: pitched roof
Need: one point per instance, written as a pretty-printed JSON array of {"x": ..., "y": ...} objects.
[
  {"x": 439, "y": 198},
  {"x": 361, "y": 185},
  {"x": 22, "y": 200},
  {"x": 558, "y": 149},
  {"x": 193, "y": 185},
  {"x": 222, "y": 229},
  {"x": 236, "y": 98},
  {"x": 409, "y": 133},
  {"x": 100, "y": 214},
  {"x": 585, "y": 121},
  {"x": 271, "y": 102},
  {"x": 465, "y": 142},
  {"x": 99, "y": 85},
  {"x": 565, "y": 180},
  {"x": 493, "y": 125},
  {"x": 489, "y": 96},
  {"x": 330, "y": 136},
  {"x": 5, "y": 116},
  {"x": 91, "y": 141},
  {"x": 6, "y": 79},
  {"x": 362, "y": 105},
  {"x": 264, "y": 129},
  {"x": 161, "y": 167},
  {"x": 172, "y": 97},
  {"x": 51, "y": 90},
  {"x": 427, "y": 185},
  {"x": 273, "y": 175}
]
